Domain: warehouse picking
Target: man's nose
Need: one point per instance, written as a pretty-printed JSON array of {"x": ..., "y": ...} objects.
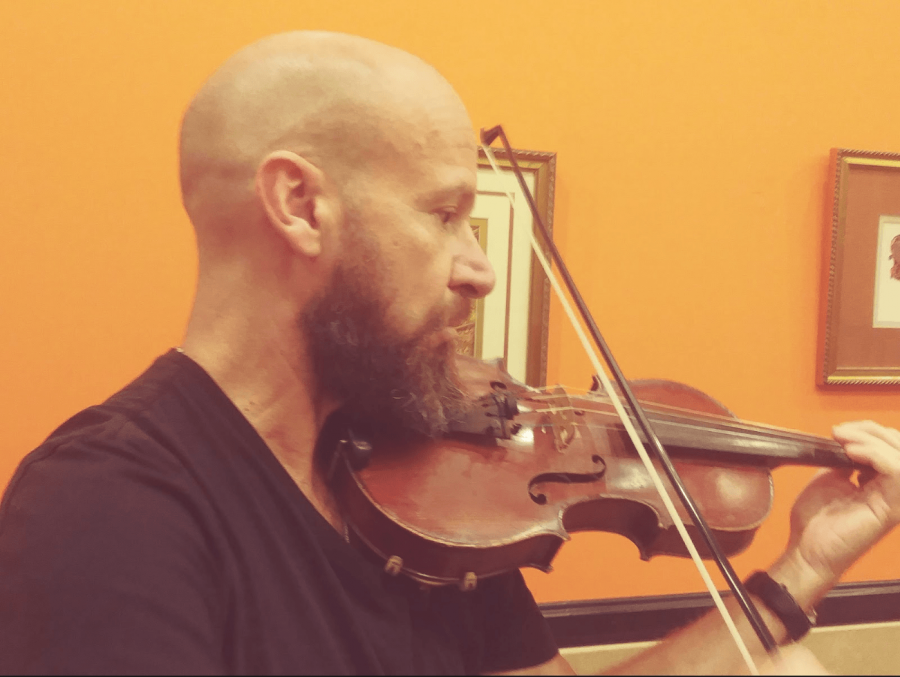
[{"x": 473, "y": 274}]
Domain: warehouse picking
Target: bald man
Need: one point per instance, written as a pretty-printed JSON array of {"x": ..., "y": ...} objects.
[{"x": 186, "y": 524}]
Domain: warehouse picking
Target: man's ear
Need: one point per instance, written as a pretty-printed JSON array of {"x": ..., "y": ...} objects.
[{"x": 290, "y": 188}]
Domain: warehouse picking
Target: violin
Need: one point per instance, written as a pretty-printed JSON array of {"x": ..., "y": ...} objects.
[
  {"x": 526, "y": 468},
  {"x": 508, "y": 485}
]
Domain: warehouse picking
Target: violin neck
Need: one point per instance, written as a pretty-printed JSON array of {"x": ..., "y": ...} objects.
[{"x": 743, "y": 444}]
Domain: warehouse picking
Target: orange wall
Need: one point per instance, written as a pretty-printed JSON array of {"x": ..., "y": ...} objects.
[{"x": 692, "y": 140}]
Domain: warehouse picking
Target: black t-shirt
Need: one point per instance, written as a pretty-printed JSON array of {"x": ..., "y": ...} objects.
[{"x": 157, "y": 533}]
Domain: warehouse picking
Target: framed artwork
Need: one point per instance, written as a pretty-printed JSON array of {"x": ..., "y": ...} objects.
[
  {"x": 859, "y": 331},
  {"x": 512, "y": 322}
]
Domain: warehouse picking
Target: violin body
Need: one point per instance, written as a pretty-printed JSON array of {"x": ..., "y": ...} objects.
[{"x": 457, "y": 509}]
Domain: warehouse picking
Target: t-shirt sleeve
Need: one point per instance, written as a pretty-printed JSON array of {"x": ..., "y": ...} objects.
[
  {"x": 104, "y": 570},
  {"x": 516, "y": 634}
]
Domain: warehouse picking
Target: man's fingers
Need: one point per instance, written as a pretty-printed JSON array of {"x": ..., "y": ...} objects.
[
  {"x": 871, "y": 443},
  {"x": 885, "y": 459},
  {"x": 857, "y": 430}
]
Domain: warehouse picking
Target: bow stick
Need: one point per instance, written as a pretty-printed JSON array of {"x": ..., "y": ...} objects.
[{"x": 488, "y": 136}]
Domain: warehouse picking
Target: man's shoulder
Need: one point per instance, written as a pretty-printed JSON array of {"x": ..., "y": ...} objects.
[
  {"x": 140, "y": 435},
  {"x": 108, "y": 485},
  {"x": 98, "y": 461},
  {"x": 108, "y": 435},
  {"x": 107, "y": 542},
  {"x": 97, "y": 442},
  {"x": 158, "y": 420}
]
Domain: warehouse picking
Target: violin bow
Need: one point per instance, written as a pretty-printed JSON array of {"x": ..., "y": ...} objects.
[{"x": 488, "y": 136}]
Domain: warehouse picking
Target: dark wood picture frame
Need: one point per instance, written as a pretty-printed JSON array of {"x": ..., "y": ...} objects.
[{"x": 859, "y": 327}]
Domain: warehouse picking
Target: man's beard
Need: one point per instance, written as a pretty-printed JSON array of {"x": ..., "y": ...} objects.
[{"x": 385, "y": 382}]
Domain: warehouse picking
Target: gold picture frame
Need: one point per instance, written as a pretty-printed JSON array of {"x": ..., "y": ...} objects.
[{"x": 522, "y": 293}]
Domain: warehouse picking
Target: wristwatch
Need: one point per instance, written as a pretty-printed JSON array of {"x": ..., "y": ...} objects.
[{"x": 781, "y": 603}]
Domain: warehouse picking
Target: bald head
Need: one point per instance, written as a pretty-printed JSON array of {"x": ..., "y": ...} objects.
[
  {"x": 344, "y": 103},
  {"x": 330, "y": 181}
]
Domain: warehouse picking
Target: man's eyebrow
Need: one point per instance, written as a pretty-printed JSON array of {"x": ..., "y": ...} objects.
[{"x": 459, "y": 190}]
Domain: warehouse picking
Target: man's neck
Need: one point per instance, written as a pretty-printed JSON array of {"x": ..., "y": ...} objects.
[{"x": 272, "y": 385}]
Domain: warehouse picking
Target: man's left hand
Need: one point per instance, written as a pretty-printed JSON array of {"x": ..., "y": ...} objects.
[{"x": 835, "y": 520}]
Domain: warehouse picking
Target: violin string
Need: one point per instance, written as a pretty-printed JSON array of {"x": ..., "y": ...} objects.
[
  {"x": 702, "y": 419},
  {"x": 826, "y": 446},
  {"x": 687, "y": 418},
  {"x": 706, "y": 424},
  {"x": 636, "y": 440},
  {"x": 820, "y": 444}
]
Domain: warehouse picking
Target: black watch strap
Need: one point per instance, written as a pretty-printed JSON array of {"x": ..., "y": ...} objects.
[{"x": 781, "y": 603}]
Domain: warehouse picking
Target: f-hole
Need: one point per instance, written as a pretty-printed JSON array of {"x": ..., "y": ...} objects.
[{"x": 564, "y": 478}]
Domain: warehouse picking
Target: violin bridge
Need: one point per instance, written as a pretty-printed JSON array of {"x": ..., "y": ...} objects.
[{"x": 562, "y": 420}]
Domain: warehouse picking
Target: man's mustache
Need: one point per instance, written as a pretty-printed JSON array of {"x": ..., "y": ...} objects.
[{"x": 460, "y": 312}]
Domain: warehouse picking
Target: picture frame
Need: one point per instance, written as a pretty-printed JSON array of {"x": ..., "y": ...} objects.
[
  {"x": 859, "y": 326},
  {"x": 512, "y": 322}
]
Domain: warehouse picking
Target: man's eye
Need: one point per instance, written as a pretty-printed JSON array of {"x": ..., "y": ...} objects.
[{"x": 446, "y": 217}]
